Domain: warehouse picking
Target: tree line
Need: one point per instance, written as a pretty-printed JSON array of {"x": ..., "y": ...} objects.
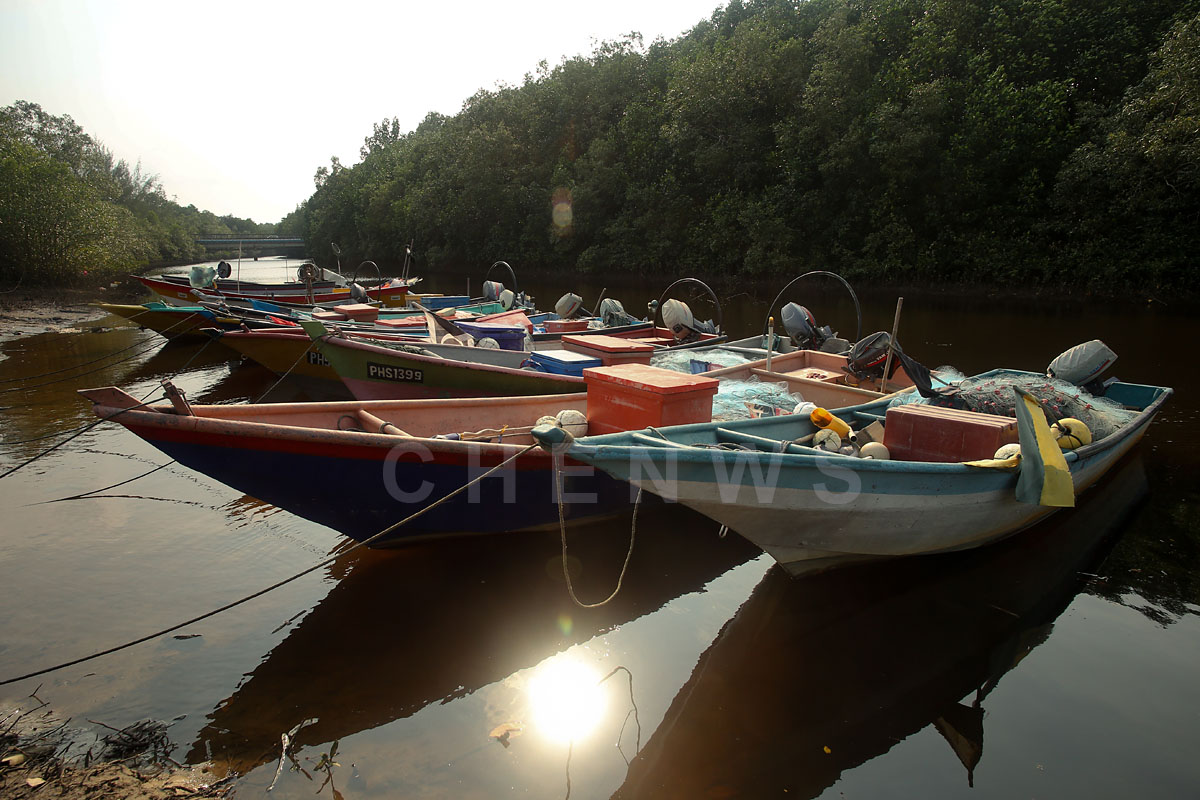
[
  {"x": 70, "y": 209},
  {"x": 1004, "y": 142}
]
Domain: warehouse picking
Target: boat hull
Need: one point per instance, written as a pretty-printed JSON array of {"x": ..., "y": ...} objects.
[
  {"x": 360, "y": 483},
  {"x": 814, "y": 511},
  {"x": 372, "y": 372},
  {"x": 179, "y": 292}
]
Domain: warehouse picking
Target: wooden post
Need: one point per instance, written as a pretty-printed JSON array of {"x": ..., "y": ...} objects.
[{"x": 887, "y": 366}]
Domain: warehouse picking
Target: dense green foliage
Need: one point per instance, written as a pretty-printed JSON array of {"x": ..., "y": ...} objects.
[
  {"x": 68, "y": 208},
  {"x": 999, "y": 141}
]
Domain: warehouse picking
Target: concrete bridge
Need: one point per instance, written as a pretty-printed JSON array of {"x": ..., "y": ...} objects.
[{"x": 250, "y": 244}]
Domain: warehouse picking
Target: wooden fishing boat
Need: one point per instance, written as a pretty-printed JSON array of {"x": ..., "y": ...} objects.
[
  {"x": 177, "y": 290},
  {"x": 359, "y": 467},
  {"x": 171, "y": 321},
  {"x": 811, "y": 509},
  {"x": 371, "y": 370}
]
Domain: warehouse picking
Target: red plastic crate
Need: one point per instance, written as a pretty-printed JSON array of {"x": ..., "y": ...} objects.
[
  {"x": 630, "y": 397},
  {"x": 565, "y": 325},
  {"x": 929, "y": 433}
]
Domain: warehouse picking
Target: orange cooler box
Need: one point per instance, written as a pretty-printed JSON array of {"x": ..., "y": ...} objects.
[
  {"x": 929, "y": 433},
  {"x": 610, "y": 349},
  {"x": 627, "y": 397}
]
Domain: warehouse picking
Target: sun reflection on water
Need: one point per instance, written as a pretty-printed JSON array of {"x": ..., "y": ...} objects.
[{"x": 565, "y": 699}]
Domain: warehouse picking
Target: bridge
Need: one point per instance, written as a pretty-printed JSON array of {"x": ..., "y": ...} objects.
[{"x": 251, "y": 244}]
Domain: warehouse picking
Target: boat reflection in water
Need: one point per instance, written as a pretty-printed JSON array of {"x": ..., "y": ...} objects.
[
  {"x": 430, "y": 623},
  {"x": 814, "y": 676}
]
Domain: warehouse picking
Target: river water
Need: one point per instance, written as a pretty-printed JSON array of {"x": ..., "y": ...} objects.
[{"x": 1060, "y": 663}]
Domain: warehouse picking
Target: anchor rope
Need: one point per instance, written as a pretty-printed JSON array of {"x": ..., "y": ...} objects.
[
  {"x": 274, "y": 586},
  {"x": 562, "y": 530},
  {"x": 83, "y": 428},
  {"x": 76, "y": 435}
]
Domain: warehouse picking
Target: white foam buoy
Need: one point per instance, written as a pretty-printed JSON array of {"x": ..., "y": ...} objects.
[
  {"x": 827, "y": 440},
  {"x": 572, "y": 421},
  {"x": 1007, "y": 451},
  {"x": 876, "y": 450}
]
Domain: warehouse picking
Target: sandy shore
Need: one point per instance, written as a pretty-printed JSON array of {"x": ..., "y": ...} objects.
[{"x": 30, "y": 312}]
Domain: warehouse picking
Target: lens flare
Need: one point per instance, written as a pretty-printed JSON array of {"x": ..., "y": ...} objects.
[
  {"x": 565, "y": 700},
  {"x": 562, "y": 210}
]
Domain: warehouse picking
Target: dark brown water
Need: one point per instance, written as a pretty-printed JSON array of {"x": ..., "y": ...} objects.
[{"x": 1060, "y": 663}]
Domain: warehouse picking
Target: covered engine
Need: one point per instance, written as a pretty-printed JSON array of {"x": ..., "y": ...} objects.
[
  {"x": 678, "y": 318},
  {"x": 492, "y": 290},
  {"x": 801, "y": 327},
  {"x": 613, "y": 314},
  {"x": 567, "y": 305},
  {"x": 1083, "y": 364},
  {"x": 868, "y": 357}
]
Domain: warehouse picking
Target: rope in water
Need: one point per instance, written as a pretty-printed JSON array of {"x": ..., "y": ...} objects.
[
  {"x": 76, "y": 435},
  {"x": 272, "y": 587},
  {"x": 83, "y": 429},
  {"x": 562, "y": 529}
]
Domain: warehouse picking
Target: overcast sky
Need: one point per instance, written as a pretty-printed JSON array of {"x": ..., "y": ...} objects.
[{"x": 234, "y": 105}]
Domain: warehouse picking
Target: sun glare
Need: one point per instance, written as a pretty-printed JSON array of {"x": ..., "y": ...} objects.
[{"x": 565, "y": 700}]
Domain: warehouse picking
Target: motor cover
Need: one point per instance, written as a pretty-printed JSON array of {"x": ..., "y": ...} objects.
[
  {"x": 801, "y": 326},
  {"x": 869, "y": 356},
  {"x": 492, "y": 290},
  {"x": 1083, "y": 363},
  {"x": 567, "y": 305}
]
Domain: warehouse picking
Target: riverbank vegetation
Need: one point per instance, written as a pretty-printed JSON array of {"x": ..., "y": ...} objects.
[
  {"x": 70, "y": 210},
  {"x": 997, "y": 142}
]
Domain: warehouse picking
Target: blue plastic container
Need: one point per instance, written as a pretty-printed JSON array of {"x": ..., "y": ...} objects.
[
  {"x": 446, "y": 301},
  {"x": 509, "y": 337},
  {"x": 563, "y": 362}
]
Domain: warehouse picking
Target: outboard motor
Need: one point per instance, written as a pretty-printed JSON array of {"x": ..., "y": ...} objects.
[
  {"x": 869, "y": 356},
  {"x": 507, "y": 298},
  {"x": 358, "y": 294},
  {"x": 678, "y": 318},
  {"x": 613, "y": 314},
  {"x": 492, "y": 290},
  {"x": 802, "y": 328},
  {"x": 224, "y": 270},
  {"x": 567, "y": 305},
  {"x": 1083, "y": 365}
]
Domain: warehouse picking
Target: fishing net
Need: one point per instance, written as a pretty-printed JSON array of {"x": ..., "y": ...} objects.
[
  {"x": 695, "y": 362},
  {"x": 752, "y": 398},
  {"x": 995, "y": 395}
]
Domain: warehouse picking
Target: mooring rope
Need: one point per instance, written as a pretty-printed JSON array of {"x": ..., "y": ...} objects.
[
  {"x": 562, "y": 529},
  {"x": 85, "y": 428},
  {"x": 83, "y": 495},
  {"x": 76, "y": 435},
  {"x": 274, "y": 586}
]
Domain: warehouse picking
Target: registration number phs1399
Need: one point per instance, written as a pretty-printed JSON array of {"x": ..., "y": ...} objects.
[{"x": 383, "y": 372}]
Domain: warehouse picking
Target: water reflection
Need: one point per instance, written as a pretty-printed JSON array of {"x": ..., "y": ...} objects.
[
  {"x": 565, "y": 699},
  {"x": 403, "y": 629},
  {"x": 815, "y": 676}
]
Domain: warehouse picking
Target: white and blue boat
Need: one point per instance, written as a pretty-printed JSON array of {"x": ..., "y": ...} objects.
[{"x": 812, "y": 509}]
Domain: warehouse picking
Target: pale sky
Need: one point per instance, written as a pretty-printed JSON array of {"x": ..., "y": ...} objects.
[{"x": 234, "y": 105}]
